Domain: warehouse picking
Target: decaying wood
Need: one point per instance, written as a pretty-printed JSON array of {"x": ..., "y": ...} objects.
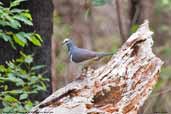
[{"x": 119, "y": 87}]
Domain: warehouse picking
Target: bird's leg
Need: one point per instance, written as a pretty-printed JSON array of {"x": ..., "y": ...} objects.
[
  {"x": 93, "y": 63},
  {"x": 87, "y": 66},
  {"x": 83, "y": 74},
  {"x": 90, "y": 64}
]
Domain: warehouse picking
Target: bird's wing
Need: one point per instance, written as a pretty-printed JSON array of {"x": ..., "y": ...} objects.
[{"x": 80, "y": 55}]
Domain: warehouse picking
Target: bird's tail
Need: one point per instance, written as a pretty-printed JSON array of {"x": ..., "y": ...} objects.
[{"x": 102, "y": 54}]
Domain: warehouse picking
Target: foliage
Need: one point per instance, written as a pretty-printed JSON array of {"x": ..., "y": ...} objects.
[
  {"x": 63, "y": 29},
  {"x": 11, "y": 21},
  {"x": 133, "y": 28},
  {"x": 163, "y": 5},
  {"x": 166, "y": 73},
  {"x": 165, "y": 76},
  {"x": 100, "y": 2},
  {"x": 19, "y": 81}
]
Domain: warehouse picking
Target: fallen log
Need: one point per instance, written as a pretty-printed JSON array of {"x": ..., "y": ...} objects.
[{"x": 119, "y": 87}]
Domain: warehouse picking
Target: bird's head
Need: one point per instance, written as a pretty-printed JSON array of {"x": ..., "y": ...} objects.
[{"x": 68, "y": 42}]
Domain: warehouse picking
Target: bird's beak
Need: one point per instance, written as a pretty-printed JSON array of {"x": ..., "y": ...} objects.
[{"x": 63, "y": 43}]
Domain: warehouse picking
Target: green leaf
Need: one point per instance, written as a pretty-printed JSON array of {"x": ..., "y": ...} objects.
[
  {"x": 1, "y": 3},
  {"x": 16, "y": 3},
  {"x": 39, "y": 37},
  {"x": 20, "y": 82},
  {"x": 23, "y": 19},
  {"x": 4, "y": 23},
  {"x": 3, "y": 79},
  {"x": 28, "y": 59},
  {"x": 22, "y": 54},
  {"x": 10, "y": 65},
  {"x": 23, "y": 96},
  {"x": 43, "y": 86},
  {"x": 27, "y": 15},
  {"x": 15, "y": 10},
  {"x": 100, "y": 2},
  {"x": 25, "y": 58},
  {"x": 40, "y": 88},
  {"x": 15, "y": 92},
  {"x": 37, "y": 67},
  {"x": 19, "y": 39},
  {"x": 13, "y": 78},
  {"x": 5, "y": 87},
  {"x": 7, "y": 108},
  {"x": 28, "y": 105},
  {"x": 9, "y": 98},
  {"x": 5, "y": 37},
  {"x": 35, "y": 41},
  {"x": 134, "y": 27},
  {"x": 33, "y": 79},
  {"x": 12, "y": 22},
  {"x": 12, "y": 44},
  {"x": 2, "y": 68}
]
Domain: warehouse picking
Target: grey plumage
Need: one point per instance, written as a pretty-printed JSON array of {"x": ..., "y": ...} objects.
[{"x": 79, "y": 54}]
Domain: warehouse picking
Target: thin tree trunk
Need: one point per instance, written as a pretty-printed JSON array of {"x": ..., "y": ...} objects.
[
  {"x": 147, "y": 10},
  {"x": 141, "y": 10},
  {"x": 122, "y": 10},
  {"x": 53, "y": 65}
]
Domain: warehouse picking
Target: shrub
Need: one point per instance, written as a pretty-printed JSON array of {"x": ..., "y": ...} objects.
[{"x": 19, "y": 81}]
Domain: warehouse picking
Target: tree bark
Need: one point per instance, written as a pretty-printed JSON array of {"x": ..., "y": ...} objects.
[
  {"x": 53, "y": 65},
  {"x": 121, "y": 86},
  {"x": 42, "y": 14}
]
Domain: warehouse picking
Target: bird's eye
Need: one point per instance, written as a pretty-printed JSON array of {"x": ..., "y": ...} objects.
[{"x": 66, "y": 42}]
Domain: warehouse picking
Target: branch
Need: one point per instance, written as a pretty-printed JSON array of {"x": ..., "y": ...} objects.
[{"x": 121, "y": 86}]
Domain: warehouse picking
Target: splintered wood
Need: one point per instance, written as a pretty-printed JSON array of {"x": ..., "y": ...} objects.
[{"x": 119, "y": 87}]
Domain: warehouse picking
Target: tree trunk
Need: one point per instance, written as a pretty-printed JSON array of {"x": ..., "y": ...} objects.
[
  {"x": 53, "y": 65},
  {"x": 119, "y": 87},
  {"x": 122, "y": 10},
  {"x": 42, "y": 14},
  {"x": 147, "y": 10},
  {"x": 141, "y": 10}
]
